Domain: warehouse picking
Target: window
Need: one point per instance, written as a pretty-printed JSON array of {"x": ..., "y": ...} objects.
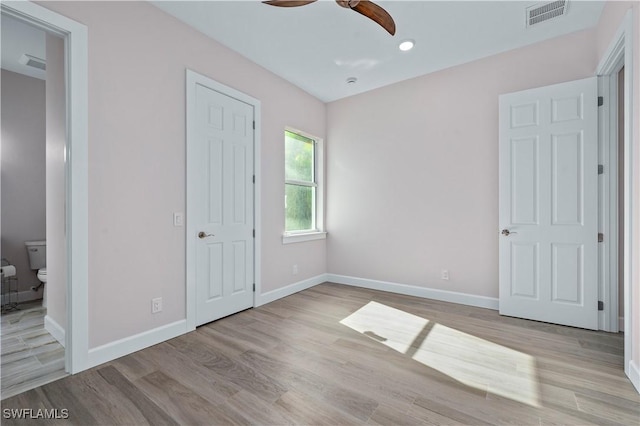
[{"x": 302, "y": 187}]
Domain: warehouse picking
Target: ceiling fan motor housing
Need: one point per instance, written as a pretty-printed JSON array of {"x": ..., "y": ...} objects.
[
  {"x": 363, "y": 7},
  {"x": 349, "y": 4}
]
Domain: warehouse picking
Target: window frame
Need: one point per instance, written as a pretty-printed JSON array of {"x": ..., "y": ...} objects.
[{"x": 317, "y": 232}]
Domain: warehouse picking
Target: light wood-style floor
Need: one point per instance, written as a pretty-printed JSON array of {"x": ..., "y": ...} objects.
[
  {"x": 342, "y": 355},
  {"x": 31, "y": 357}
]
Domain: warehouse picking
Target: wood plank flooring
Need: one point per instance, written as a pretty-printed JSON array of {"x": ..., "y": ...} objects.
[
  {"x": 341, "y": 355},
  {"x": 31, "y": 357}
]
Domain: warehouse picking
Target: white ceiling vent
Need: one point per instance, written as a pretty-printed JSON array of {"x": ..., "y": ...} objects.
[
  {"x": 545, "y": 11},
  {"x": 32, "y": 61}
]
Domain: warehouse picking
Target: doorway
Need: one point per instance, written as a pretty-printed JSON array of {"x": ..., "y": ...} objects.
[
  {"x": 614, "y": 208},
  {"x": 33, "y": 206},
  {"x": 75, "y": 201}
]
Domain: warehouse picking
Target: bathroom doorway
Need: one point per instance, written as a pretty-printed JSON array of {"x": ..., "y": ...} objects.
[{"x": 34, "y": 246}]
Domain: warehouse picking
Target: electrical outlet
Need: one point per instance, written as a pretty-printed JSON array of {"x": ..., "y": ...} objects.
[
  {"x": 444, "y": 274},
  {"x": 156, "y": 305},
  {"x": 295, "y": 270}
]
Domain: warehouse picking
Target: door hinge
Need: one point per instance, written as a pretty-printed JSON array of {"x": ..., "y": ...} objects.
[
  {"x": 254, "y": 178},
  {"x": 600, "y": 305},
  {"x": 600, "y": 100},
  {"x": 254, "y": 125},
  {"x": 600, "y": 169},
  {"x": 254, "y": 286},
  {"x": 600, "y": 237},
  {"x": 254, "y": 233}
]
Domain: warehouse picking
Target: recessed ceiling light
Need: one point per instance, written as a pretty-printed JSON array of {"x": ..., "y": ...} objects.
[
  {"x": 351, "y": 80},
  {"x": 406, "y": 45}
]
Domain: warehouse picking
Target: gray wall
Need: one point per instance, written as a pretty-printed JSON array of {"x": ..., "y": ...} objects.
[{"x": 23, "y": 171}]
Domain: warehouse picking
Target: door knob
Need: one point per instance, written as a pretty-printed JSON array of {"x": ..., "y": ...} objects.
[
  {"x": 203, "y": 234},
  {"x": 506, "y": 232}
]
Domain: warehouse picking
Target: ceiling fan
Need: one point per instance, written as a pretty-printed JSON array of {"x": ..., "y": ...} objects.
[{"x": 363, "y": 7}]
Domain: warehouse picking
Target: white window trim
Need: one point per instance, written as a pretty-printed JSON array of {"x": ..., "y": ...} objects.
[
  {"x": 319, "y": 233},
  {"x": 291, "y": 238}
]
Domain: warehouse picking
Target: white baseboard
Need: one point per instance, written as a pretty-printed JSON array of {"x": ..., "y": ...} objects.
[
  {"x": 634, "y": 375},
  {"x": 54, "y": 329},
  {"x": 428, "y": 293},
  {"x": 410, "y": 290},
  {"x": 122, "y": 347},
  {"x": 279, "y": 293},
  {"x": 23, "y": 296}
]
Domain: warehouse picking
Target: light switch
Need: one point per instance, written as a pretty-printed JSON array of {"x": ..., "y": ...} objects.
[{"x": 178, "y": 219}]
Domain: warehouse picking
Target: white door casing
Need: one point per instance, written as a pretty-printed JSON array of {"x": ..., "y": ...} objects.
[
  {"x": 221, "y": 203},
  {"x": 621, "y": 52},
  {"x": 548, "y": 208}
]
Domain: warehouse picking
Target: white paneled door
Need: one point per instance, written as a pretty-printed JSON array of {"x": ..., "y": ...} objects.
[
  {"x": 223, "y": 204},
  {"x": 549, "y": 204}
]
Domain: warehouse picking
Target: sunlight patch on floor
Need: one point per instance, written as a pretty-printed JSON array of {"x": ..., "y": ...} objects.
[{"x": 470, "y": 360}]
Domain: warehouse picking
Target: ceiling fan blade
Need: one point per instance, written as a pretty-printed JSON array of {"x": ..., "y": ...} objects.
[
  {"x": 377, "y": 14},
  {"x": 289, "y": 3}
]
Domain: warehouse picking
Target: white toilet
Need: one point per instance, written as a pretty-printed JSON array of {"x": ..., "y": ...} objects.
[{"x": 38, "y": 261}]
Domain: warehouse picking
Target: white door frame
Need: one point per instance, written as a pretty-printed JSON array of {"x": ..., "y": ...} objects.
[
  {"x": 76, "y": 77},
  {"x": 619, "y": 52},
  {"x": 608, "y": 207},
  {"x": 193, "y": 79}
]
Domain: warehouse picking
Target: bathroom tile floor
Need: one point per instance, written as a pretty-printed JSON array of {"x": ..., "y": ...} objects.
[{"x": 31, "y": 357}]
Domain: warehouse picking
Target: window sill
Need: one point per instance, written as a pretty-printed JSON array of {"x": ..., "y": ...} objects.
[{"x": 302, "y": 237}]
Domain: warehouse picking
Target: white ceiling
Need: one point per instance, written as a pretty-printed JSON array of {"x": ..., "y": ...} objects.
[
  {"x": 318, "y": 46},
  {"x": 19, "y": 38}
]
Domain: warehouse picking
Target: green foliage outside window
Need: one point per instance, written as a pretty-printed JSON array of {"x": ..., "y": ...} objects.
[{"x": 300, "y": 183}]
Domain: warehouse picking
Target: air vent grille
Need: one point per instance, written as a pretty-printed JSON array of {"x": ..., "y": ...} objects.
[
  {"x": 32, "y": 61},
  {"x": 546, "y": 11}
]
